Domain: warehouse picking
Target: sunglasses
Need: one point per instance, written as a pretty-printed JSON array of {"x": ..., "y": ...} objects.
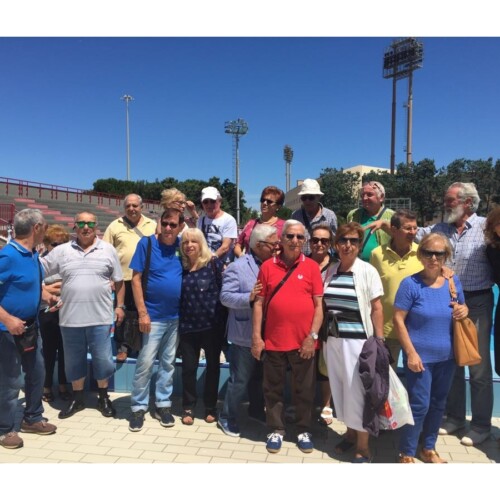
[
  {"x": 290, "y": 236},
  {"x": 353, "y": 241},
  {"x": 267, "y": 201},
  {"x": 206, "y": 202},
  {"x": 308, "y": 197},
  {"x": 323, "y": 241},
  {"x": 82, "y": 223},
  {"x": 428, "y": 254},
  {"x": 172, "y": 225}
]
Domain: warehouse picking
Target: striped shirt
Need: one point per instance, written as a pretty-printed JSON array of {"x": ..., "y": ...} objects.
[
  {"x": 469, "y": 259},
  {"x": 340, "y": 297}
]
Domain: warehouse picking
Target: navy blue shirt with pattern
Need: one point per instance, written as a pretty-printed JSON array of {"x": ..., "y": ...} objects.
[{"x": 201, "y": 309}]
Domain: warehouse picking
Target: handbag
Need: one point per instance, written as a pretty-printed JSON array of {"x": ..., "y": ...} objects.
[
  {"x": 396, "y": 411},
  {"x": 26, "y": 342},
  {"x": 465, "y": 344}
]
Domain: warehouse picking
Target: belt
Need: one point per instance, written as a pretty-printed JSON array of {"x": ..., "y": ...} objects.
[{"x": 474, "y": 293}]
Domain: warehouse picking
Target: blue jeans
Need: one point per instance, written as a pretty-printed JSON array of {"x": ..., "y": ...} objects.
[
  {"x": 241, "y": 369},
  {"x": 12, "y": 365},
  {"x": 161, "y": 342},
  {"x": 481, "y": 375},
  {"x": 427, "y": 392}
]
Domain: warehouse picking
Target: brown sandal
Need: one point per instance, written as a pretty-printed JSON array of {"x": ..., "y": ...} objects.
[
  {"x": 405, "y": 459},
  {"x": 187, "y": 417},
  {"x": 431, "y": 457}
]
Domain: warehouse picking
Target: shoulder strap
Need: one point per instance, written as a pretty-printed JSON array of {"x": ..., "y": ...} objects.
[
  {"x": 453, "y": 290},
  {"x": 134, "y": 228},
  {"x": 369, "y": 233},
  {"x": 145, "y": 273},
  {"x": 306, "y": 220},
  {"x": 280, "y": 284}
]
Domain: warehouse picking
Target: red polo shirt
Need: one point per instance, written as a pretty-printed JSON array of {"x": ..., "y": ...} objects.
[{"x": 290, "y": 312}]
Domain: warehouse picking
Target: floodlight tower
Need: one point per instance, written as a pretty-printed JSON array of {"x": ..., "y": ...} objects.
[
  {"x": 288, "y": 157},
  {"x": 237, "y": 128},
  {"x": 400, "y": 60},
  {"x": 127, "y": 98}
]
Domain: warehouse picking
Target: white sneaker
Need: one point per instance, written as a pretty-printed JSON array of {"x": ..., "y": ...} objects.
[
  {"x": 449, "y": 427},
  {"x": 472, "y": 438}
]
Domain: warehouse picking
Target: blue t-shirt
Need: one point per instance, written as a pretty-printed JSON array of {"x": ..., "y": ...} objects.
[
  {"x": 163, "y": 291},
  {"x": 429, "y": 318},
  {"x": 19, "y": 281}
]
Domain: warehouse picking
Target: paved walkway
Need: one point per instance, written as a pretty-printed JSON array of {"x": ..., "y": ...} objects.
[{"x": 88, "y": 437}]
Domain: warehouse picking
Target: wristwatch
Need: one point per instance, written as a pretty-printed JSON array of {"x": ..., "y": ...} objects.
[
  {"x": 313, "y": 335},
  {"x": 124, "y": 307}
]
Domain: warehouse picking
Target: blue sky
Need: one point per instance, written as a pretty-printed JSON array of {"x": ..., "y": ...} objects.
[{"x": 62, "y": 120}]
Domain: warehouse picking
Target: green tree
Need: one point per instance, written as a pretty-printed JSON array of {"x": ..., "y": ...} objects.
[{"x": 340, "y": 190}]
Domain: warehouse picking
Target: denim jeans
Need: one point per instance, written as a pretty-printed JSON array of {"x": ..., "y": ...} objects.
[
  {"x": 481, "y": 375},
  {"x": 161, "y": 342},
  {"x": 12, "y": 365},
  {"x": 427, "y": 392},
  {"x": 242, "y": 367}
]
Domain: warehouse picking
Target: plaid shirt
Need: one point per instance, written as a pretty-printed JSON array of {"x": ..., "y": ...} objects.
[
  {"x": 326, "y": 216},
  {"x": 469, "y": 259}
]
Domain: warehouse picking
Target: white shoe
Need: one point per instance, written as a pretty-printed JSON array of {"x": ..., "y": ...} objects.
[
  {"x": 472, "y": 438},
  {"x": 449, "y": 427}
]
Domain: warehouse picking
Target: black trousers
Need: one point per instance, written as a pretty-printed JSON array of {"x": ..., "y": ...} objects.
[
  {"x": 52, "y": 347},
  {"x": 120, "y": 329},
  {"x": 190, "y": 345}
]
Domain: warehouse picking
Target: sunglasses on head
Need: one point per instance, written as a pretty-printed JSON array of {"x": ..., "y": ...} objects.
[
  {"x": 323, "y": 241},
  {"x": 290, "y": 236},
  {"x": 353, "y": 241},
  {"x": 267, "y": 201},
  {"x": 428, "y": 254},
  {"x": 82, "y": 223},
  {"x": 308, "y": 197},
  {"x": 172, "y": 225}
]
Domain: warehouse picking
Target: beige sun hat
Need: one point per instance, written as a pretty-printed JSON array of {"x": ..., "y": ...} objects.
[{"x": 310, "y": 186}]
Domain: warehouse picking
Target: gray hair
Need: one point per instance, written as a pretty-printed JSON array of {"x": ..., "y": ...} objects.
[
  {"x": 132, "y": 194},
  {"x": 25, "y": 220},
  {"x": 292, "y": 222},
  {"x": 467, "y": 190},
  {"x": 260, "y": 233},
  {"x": 376, "y": 186}
]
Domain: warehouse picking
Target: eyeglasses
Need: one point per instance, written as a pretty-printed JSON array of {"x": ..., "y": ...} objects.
[
  {"x": 272, "y": 245},
  {"x": 132, "y": 205},
  {"x": 206, "y": 202},
  {"x": 172, "y": 225},
  {"x": 353, "y": 241},
  {"x": 82, "y": 223},
  {"x": 290, "y": 236},
  {"x": 267, "y": 201},
  {"x": 308, "y": 197},
  {"x": 180, "y": 202},
  {"x": 428, "y": 254},
  {"x": 323, "y": 241}
]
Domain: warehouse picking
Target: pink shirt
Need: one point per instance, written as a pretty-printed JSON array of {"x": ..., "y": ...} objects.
[{"x": 244, "y": 238}]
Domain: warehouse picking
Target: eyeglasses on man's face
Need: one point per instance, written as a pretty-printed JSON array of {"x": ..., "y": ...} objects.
[
  {"x": 208, "y": 202},
  {"x": 80, "y": 224},
  {"x": 290, "y": 236},
  {"x": 308, "y": 197},
  {"x": 166, "y": 223}
]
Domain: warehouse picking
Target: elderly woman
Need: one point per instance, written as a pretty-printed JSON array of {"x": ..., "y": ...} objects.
[
  {"x": 353, "y": 295},
  {"x": 492, "y": 237},
  {"x": 173, "y": 198},
  {"x": 271, "y": 200},
  {"x": 200, "y": 323},
  {"x": 423, "y": 313},
  {"x": 321, "y": 244}
]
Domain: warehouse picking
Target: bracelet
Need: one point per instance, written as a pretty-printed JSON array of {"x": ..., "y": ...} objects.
[{"x": 143, "y": 315}]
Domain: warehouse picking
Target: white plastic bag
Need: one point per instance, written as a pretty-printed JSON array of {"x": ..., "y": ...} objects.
[{"x": 396, "y": 411}]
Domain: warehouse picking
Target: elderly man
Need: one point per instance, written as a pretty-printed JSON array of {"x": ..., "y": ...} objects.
[
  {"x": 394, "y": 261},
  {"x": 156, "y": 283},
  {"x": 124, "y": 233},
  {"x": 219, "y": 227},
  {"x": 20, "y": 296},
  {"x": 373, "y": 209},
  {"x": 290, "y": 304},
  {"x": 312, "y": 211},
  {"x": 239, "y": 289},
  {"x": 465, "y": 229},
  {"x": 88, "y": 266}
]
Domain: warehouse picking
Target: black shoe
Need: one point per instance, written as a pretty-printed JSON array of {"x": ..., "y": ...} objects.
[
  {"x": 74, "y": 407},
  {"x": 136, "y": 421},
  {"x": 165, "y": 417},
  {"x": 105, "y": 407}
]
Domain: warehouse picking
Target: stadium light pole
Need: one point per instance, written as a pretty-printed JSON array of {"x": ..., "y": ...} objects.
[
  {"x": 400, "y": 60},
  {"x": 288, "y": 157},
  {"x": 127, "y": 98},
  {"x": 237, "y": 128}
]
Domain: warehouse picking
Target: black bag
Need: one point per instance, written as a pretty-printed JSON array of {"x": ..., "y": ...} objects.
[
  {"x": 329, "y": 327},
  {"x": 132, "y": 336},
  {"x": 27, "y": 341}
]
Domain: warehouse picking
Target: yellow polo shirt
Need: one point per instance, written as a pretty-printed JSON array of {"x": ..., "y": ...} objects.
[
  {"x": 125, "y": 240},
  {"x": 392, "y": 270}
]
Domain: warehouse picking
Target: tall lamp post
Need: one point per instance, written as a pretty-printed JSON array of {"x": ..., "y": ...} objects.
[
  {"x": 288, "y": 157},
  {"x": 400, "y": 60},
  {"x": 237, "y": 128},
  {"x": 127, "y": 98}
]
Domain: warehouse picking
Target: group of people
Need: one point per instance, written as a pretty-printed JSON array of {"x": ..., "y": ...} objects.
[{"x": 192, "y": 283}]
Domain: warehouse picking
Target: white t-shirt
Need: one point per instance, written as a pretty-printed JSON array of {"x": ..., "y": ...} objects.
[{"x": 215, "y": 230}]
